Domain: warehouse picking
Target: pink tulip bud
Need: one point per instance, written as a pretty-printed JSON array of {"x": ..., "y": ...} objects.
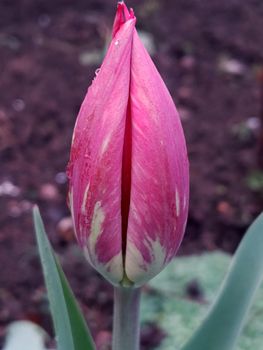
[{"x": 128, "y": 169}]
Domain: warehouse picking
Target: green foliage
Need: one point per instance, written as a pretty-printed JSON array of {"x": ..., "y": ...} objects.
[
  {"x": 167, "y": 303},
  {"x": 70, "y": 327}
]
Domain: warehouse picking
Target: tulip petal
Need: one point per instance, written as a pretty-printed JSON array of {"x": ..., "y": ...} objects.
[
  {"x": 122, "y": 15},
  {"x": 128, "y": 168},
  {"x": 159, "y": 172},
  {"x": 96, "y": 156}
]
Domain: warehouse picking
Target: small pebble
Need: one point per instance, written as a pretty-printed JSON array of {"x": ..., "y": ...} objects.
[
  {"x": 44, "y": 20},
  {"x": 103, "y": 340},
  {"x": 184, "y": 93},
  {"x": 18, "y": 105},
  {"x": 49, "y": 192},
  {"x": 253, "y": 123},
  {"x": 65, "y": 229},
  {"x": 94, "y": 57},
  {"x": 232, "y": 66},
  {"x": 61, "y": 178},
  {"x": 184, "y": 113},
  {"x": 187, "y": 62},
  {"x": 194, "y": 290},
  {"x": 9, "y": 189},
  {"x": 225, "y": 209}
]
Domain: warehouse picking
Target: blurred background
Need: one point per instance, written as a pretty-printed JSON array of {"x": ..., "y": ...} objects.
[{"x": 210, "y": 55}]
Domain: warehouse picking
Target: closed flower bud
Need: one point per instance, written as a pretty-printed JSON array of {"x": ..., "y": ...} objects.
[{"x": 128, "y": 169}]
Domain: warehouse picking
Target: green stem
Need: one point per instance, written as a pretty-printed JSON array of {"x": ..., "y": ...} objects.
[{"x": 126, "y": 325}]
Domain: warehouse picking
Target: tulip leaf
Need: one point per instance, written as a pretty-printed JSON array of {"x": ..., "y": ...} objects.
[
  {"x": 70, "y": 327},
  {"x": 225, "y": 320}
]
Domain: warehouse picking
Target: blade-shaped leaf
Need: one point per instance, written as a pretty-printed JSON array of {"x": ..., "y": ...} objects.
[
  {"x": 70, "y": 327},
  {"x": 226, "y": 318}
]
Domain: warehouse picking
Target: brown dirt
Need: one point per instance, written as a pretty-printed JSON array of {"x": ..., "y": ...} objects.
[{"x": 208, "y": 53}]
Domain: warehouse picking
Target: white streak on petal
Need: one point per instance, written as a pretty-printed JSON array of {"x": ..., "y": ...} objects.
[
  {"x": 96, "y": 225},
  {"x": 84, "y": 201},
  {"x": 87, "y": 256},
  {"x": 70, "y": 198},
  {"x": 73, "y": 137},
  {"x": 137, "y": 270},
  {"x": 185, "y": 202},
  {"x": 115, "y": 266},
  {"x": 177, "y": 202},
  {"x": 140, "y": 170},
  {"x": 112, "y": 270},
  {"x": 134, "y": 263},
  {"x": 138, "y": 129},
  {"x": 136, "y": 216},
  {"x": 105, "y": 144}
]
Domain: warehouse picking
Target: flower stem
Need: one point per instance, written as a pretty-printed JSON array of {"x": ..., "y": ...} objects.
[{"x": 126, "y": 326}]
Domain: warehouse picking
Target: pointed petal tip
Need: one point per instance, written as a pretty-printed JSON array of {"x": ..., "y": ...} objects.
[
  {"x": 122, "y": 16},
  {"x": 132, "y": 15}
]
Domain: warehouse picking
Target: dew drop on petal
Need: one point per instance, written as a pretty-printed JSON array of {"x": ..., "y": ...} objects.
[{"x": 96, "y": 73}]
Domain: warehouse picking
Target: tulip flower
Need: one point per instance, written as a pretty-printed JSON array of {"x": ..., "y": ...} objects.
[{"x": 128, "y": 169}]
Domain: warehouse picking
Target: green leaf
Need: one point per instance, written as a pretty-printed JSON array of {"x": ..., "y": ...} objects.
[
  {"x": 70, "y": 327},
  {"x": 224, "y": 323}
]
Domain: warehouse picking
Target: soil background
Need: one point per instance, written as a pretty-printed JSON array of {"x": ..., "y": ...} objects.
[{"x": 209, "y": 53}]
